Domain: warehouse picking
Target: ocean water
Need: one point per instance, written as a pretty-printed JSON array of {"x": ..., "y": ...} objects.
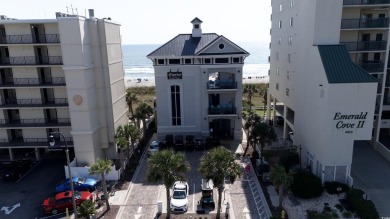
[{"x": 136, "y": 64}]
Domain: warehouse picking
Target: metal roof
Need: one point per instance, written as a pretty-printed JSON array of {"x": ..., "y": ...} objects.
[
  {"x": 339, "y": 67},
  {"x": 184, "y": 45}
]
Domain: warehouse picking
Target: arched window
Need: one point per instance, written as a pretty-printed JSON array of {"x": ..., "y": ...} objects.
[{"x": 175, "y": 101}]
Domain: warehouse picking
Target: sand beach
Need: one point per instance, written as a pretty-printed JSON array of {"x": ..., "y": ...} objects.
[{"x": 149, "y": 82}]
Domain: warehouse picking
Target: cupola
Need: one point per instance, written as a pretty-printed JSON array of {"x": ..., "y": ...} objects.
[{"x": 196, "y": 30}]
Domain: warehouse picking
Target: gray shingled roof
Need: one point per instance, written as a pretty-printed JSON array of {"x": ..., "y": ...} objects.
[
  {"x": 339, "y": 67},
  {"x": 184, "y": 45}
]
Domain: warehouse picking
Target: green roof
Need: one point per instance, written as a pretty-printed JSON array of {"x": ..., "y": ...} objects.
[{"x": 339, "y": 67}]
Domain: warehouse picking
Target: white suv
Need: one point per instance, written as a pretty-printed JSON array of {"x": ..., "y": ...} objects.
[{"x": 179, "y": 198}]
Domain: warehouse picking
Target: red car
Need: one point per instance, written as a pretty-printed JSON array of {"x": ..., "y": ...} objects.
[{"x": 63, "y": 200}]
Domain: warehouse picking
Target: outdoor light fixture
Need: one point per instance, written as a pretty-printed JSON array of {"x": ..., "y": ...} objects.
[{"x": 52, "y": 142}]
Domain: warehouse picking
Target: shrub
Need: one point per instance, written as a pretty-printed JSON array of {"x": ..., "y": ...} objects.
[
  {"x": 255, "y": 156},
  {"x": 306, "y": 185},
  {"x": 347, "y": 214},
  {"x": 289, "y": 159},
  {"x": 365, "y": 209},
  {"x": 340, "y": 207},
  {"x": 331, "y": 187}
]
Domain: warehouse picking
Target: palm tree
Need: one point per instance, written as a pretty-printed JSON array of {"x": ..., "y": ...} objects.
[
  {"x": 217, "y": 165},
  {"x": 131, "y": 98},
  {"x": 168, "y": 167},
  {"x": 250, "y": 90},
  {"x": 250, "y": 120},
  {"x": 281, "y": 180},
  {"x": 262, "y": 133},
  {"x": 133, "y": 134},
  {"x": 121, "y": 138},
  {"x": 143, "y": 111},
  {"x": 86, "y": 209},
  {"x": 102, "y": 167}
]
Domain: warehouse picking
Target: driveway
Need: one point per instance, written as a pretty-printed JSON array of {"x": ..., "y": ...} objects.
[{"x": 371, "y": 173}]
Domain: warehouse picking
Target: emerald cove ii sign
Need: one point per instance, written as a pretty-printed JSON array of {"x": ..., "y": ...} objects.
[{"x": 350, "y": 121}]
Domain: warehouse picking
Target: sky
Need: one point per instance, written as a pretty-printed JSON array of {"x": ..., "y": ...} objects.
[{"x": 158, "y": 21}]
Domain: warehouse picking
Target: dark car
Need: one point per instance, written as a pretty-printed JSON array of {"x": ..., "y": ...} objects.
[
  {"x": 79, "y": 184},
  {"x": 179, "y": 142},
  {"x": 190, "y": 144},
  {"x": 15, "y": 170}
]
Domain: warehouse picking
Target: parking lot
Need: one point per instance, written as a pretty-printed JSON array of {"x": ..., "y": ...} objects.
[{"x": 24, "y": 198}]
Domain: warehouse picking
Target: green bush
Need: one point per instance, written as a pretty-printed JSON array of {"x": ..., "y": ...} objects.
[
  {"x": 289, "y": 159},
  {"x": 347, "y": 214},
  {"x": 365, "y": 209},
  {"x": 331, "y": 187},
  {"x": 306, "y": 185}
]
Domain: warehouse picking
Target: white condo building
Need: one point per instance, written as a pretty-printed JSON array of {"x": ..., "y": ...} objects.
[
  {"x": 328, "y": 79},
  {"x": 61, "y": 75},
  {"x": 199, "y": 85}
]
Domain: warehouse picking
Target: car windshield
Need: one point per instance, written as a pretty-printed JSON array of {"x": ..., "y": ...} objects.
[
  {"x": 81, "y": 180},
  {"x": 153, "y": 146},
  {"x": 179, "y": 195}
]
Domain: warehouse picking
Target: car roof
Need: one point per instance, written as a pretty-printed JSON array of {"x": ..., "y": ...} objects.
[{"x": 154, "y": 142}]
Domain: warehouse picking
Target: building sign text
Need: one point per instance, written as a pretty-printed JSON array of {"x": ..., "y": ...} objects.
[
  {"x": 350, "y": 121},
  {"x": 175, "y": 75}
]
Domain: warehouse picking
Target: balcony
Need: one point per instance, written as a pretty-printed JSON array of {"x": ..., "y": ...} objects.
[
  {"x": 365, "y": 23},
  {"x": 365, "y": 45},
  {"x": 221, "y": 110},
  {"x": 18, "y": 103},
  {"x": 20, "y": 123},
  {"x": 32, "y": 60},
  {"x": 29, "y": 39},
  {"x": 32, "y": 142},
  {"x": 372, "y": 66},
  {"x": 212, "y": 85},
  {"x": 33, "y": 82},
  {"x": 366, "y": 2}
]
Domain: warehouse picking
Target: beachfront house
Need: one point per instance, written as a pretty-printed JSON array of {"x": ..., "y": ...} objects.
[{"x": 198, "y": 79}]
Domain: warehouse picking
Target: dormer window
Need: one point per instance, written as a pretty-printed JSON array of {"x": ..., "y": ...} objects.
[{"x": 196, "y": 26}]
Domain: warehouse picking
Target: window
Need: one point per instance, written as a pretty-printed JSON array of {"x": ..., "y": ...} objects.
[
  {"x": 291, "y": 22},
  {"x": 196, "y": 26},
  {"x": 277, "y": 56},
  {"x": 236, "y": 60},
  {"x": 174, "y": 61},
  {"x": 221, "y": 46},
  {"x": 287, "y": 92},
  {"x": 277, "y": 86},
  {"x": 221, "y": 60},
  {"x": 280, "y": 24},
  {"x": 207, "y": 61},
  {"x": 279, "y": 40},
  {"x": 291, "y": 3},
  {"x": 187, "y": 61},
  {"x": 289, "y": 58},
  {"x": 161, "y": 61},
  {"x": 280, "y": 7},
  {"x": 290, "y": 40},
  {"x": 175, "y": 104},
  {"x": 277, "y": 71}
]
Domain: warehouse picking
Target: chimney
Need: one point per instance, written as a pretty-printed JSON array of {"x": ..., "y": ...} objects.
[
  {"x": 196, "y": 30},
  {"x": 91, "y": 13}
]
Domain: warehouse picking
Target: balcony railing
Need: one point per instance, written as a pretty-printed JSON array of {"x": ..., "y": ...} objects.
[
  {"x": 13, "y": 102},
  {"x": 365, "y": 45},
  {"x": 372, "y": 66},
  {"x": 55, "y": 81},
  {"x": 364, "y": 23},
  {"x": 34, "y": 122},
  {"x": 365, "y": 2},
  {"x": 28, "y": 39},
  {"x": 32, "y": 60},
  {"x": 221, "y": 110},
  {"x": 40, "y": 142},
  {"x": 221, "y": 85}
]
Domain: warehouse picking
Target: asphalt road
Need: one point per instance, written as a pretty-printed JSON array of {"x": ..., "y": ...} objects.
[{"x": 24, "y": 198}]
